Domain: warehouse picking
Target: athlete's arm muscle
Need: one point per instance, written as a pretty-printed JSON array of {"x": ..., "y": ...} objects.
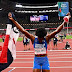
[
  {"x": 27, "y": 34},
  {"x": 51, "y": 35}
]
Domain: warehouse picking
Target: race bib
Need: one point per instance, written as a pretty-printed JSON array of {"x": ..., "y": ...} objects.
[{"x": 40, "y": 50}]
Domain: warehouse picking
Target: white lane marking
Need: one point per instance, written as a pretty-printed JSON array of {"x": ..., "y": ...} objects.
[
  {"x": 49, "y": 58},
  {"x": 59, "y": 57},
  {"x": 50, "y": 67},
  {"x": 59, "y": 54},
  {"x": 24, "y": 55},
  {"x": 49, "y": 61},
  {"x": 48, "y": 50},
  {"x": 48, "y": 55},
  {"x": 24, "y": 58},
  {"x": 12, "y": 69}
]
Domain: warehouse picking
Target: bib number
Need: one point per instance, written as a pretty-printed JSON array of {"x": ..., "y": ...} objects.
[{"x": 40, "y": 50}]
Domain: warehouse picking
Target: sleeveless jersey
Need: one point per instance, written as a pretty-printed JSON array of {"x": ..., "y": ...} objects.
[{"x": 40, "y": 48}]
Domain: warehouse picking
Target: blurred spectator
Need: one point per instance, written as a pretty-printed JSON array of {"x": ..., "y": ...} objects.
[
  {"x": 61, "y": 38},
  {"x": 28, "y": 43},
  {"x": 3, "y": 36},
  {"x": 25, "y": 42},
  {"x": 64, "y": 36},
  {"x": 55, "y": 42},
  {"x": 67, "y": 45}
]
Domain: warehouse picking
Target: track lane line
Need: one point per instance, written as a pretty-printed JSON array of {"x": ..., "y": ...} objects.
[
  {"x": 49, "y": 58},
  {"x": 12, "y": 69},
  {"x": 49, "y": 61},
  {"x": 47, "y": 50},
  {"x": 48, "y": 55},
  {"x": 50, "y": 67}
]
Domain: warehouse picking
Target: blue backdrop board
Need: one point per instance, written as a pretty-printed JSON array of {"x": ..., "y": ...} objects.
[{"x": 63, "y": 8}]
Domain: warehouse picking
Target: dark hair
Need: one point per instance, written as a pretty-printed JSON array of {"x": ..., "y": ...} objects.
[{"x": 41, "y": 32}]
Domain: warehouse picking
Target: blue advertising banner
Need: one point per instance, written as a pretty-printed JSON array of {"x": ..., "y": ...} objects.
[{"x": 63, "y": 8}]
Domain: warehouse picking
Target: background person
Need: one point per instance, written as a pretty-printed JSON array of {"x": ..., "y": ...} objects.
[
  {"x": 67, "y": 45},
  {"x": 55, "y": 42},
  {"x": 3, "y": 37},
  {"x": 64, "y": 36},
  {"x": 61, "y": 38},
  {"x": 25, "y": 42},
  {"x": 28, "y": 44}
]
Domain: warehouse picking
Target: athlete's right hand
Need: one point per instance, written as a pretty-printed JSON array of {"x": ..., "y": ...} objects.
[
  {"x": 10, "y": 16},
  {"x": 68, "y": 13},
  {"x": 66, "y": 18}
]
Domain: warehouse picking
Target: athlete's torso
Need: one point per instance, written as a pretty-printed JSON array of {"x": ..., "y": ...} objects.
[{"x": 40, "y": 48}]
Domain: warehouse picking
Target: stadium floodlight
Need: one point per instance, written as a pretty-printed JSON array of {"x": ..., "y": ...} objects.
[
  {"x": 71, "y": 8},
  {"x": 36, "y": 11},
  {"x": 56, "y": 5},
  {"x": 0, "y": 9},
  {"x": 25, "y": 11},
  {"x": 21, "y": 6}
]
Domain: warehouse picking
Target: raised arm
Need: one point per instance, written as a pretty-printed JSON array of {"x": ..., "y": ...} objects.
[
  {"x": 27, "y": 34},
  {"x": 51, "y": 35}
]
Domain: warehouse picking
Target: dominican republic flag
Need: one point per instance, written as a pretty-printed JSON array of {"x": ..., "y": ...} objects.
[{"x": 11, "y": 37}]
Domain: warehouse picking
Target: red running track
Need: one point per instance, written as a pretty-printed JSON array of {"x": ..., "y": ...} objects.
[{"x": 60, "y": 60}]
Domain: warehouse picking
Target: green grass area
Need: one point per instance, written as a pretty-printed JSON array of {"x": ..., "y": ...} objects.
[
  {"x": 21, "y": 39},
  {"x": 69, "y": 37},
  {"x": 1, "y": 40}
]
